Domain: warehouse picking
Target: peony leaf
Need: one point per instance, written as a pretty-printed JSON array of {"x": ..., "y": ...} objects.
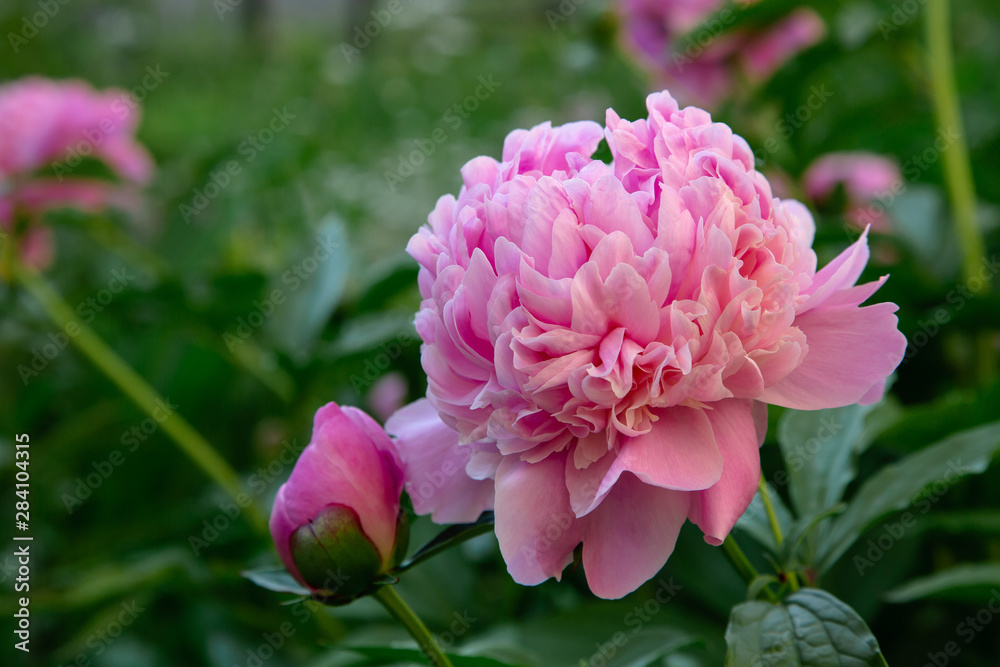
[
  {"x": 899, "y": 485},
  {"x": 276, "y": 579},
  {"x": 313, "y": 285},
  {"x": 818, "y": 448},
  {"x": 950, "y": 583},
  {"x": 810, "y": 628}
]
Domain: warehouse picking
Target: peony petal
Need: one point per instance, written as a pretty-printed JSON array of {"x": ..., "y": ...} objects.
[
  {"x": 435, "y": 465},
  {"x": 716, "y": 509},
  {"x": 851, "y": 350},
  {"x": 534, "y": 523},
  {"x": 679, "y": 453},
  {"x": 839, "y": 274},
  {"x": 628, "y": 539}
]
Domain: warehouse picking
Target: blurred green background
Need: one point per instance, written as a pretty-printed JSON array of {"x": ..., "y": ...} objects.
[{"x": 228, "y": 70}]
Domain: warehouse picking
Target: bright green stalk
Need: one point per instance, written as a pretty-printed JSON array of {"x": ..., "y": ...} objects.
[
  {"x": 133, "y": 386},
  {"x": 402, "y": 612}
]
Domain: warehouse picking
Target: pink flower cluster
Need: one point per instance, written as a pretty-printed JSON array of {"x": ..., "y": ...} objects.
[
  {"x": 600, "y": 341},
  {"x": 49, "y": 127},
  {"x": 705, "y": 68}
]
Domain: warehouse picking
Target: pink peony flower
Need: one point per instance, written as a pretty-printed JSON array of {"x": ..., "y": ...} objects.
[
  {"x": 865, "y": 176},
  {"x": 336, "y": 521},
  {"x": 49, "y": 126},
  {"x": 601, "y": 341},
  {"x": 705, "y": 66}
]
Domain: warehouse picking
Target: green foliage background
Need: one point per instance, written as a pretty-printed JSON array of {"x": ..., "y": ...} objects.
[{"x": 324, "y": 174}]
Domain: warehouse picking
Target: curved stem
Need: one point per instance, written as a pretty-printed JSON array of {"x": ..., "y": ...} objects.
[
  {"x": 956, "y": 164},
  {"x": 955, "y": 159},
  {"x": 779, "y": 537},
  {"x": 739, "y": 559},
  {"x": 743, "y": 564},
  {"x": 772, "y": 516},
  {"x": 402, "y": 612},
  {"x": 133, "y": 386}
]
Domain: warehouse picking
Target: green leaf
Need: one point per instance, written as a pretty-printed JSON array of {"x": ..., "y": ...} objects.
[
  {"x": 949, "y": 583},
  {"x": 448, "y": 538},
  {"x": 810, "y": 628},
  {"x": 898, "y": 485},
  {"x": 313, "y": 284},
  {"x": 115, "y": 579},
  {"x": 819, "y": 452},
  {"x": 276, "y": 579},
  {"x": 803, "y": 527},
  {"x": 643, "y": 649}
]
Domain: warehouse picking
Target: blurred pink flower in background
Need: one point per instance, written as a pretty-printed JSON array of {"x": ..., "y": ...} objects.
[
  {"x": 600, "y": 341},
  {"x": 866, "y": 177},
  {"x": 46, "y": 129},
  {"x": 706, "y": 68},
  {"x": 388, "y": 394},
  {"x": 765, "y": 54}
]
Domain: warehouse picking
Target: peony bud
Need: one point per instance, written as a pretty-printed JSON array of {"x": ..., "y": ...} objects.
[{"x": 336, "y": 521}]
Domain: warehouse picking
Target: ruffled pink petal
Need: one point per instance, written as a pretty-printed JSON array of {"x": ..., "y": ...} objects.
[{"x": 435, "y": 466}]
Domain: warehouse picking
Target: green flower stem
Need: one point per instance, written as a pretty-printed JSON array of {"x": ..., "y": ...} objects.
[
  {"x": 402, "y": 612},
  {"x": 955, "y": 160},
  {"x": 133, "y": 386},
  {"x": 956, "y": 164},
  {"x": 772, "y": 517},
  {"x": 743, "y": 564}
]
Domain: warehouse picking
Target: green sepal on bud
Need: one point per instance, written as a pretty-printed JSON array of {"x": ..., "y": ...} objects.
[{"x": 334, "y": 556}]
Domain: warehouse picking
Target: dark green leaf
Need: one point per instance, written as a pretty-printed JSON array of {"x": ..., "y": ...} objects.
[
  {"x": 810, "y": 628},
  {"x": 313, "y": 283},
  {"x": 896, "y": 486},
  {"x": 276, "y": 579},
  {"x": 755, "y": 520},
  {"x": 818, "y": 448}
]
